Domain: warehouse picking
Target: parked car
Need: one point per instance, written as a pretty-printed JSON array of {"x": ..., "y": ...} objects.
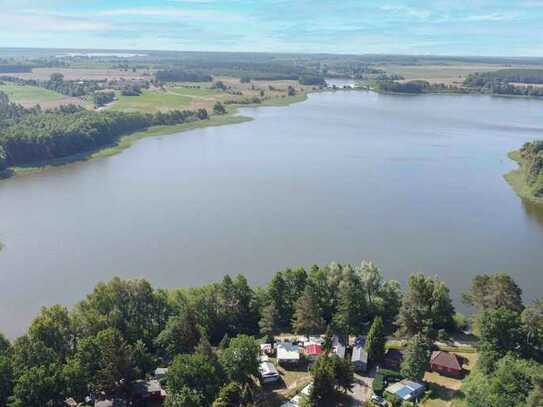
[{"x": 379, "y": 400}]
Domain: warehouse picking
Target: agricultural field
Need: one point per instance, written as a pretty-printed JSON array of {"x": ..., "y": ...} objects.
[
  {"x": 201, "y": 95},
  {"x": 74, "y": 74},
  {"x": 447, "y": 74},
  {"x": 29, "y": 96},
  {"x": 151, "y": 101}
]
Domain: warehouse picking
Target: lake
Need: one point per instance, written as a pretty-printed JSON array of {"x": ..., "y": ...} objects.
[{"x": 413, "y": 183}]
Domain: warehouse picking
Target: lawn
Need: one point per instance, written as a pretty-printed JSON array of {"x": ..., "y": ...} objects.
[
  {"x": 152, "y": 101},
  {"x": 446, "y": 391},
  {"x": 33, "y": 95}
]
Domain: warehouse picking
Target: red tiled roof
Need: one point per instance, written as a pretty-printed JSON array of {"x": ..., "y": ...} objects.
[
  {"x": 445, "y": 359},
  {"x": 313, "y": 349}
]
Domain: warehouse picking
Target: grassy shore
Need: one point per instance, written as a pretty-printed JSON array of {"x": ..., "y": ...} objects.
[
  {"x": 516, "y": 177},
  {"x": 128, "y": 140}
]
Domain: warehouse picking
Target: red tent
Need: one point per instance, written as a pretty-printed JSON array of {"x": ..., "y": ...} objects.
[{"x": 313, "y": 349}]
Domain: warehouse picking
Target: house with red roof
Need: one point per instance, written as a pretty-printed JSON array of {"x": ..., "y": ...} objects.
[{"x": 446, "y": 363}]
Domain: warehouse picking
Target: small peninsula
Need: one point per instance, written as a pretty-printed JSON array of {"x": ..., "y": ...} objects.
[{"x": 527, "y": 180}]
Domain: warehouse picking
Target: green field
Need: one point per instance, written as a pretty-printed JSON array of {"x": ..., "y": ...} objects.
[
  {"x": 152, "y": 101},
  {"x": 190, "y": 90},
  {"x": 30, "y": 95}
]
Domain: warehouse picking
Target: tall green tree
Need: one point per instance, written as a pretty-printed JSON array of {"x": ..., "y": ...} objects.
[
  {"x": 53, "y": 327},
  {"x": 181, "y": 335},
  {"x": 501, "y": 332},
  {"x": 6, "y": 378},
  {"x": 240, "y": 359},
  {"x": 343, "y": 373},
  {"x": 197, "y": 373},
  {"x": 375, "y": 342},
  {"x": 491, "y": 291},
  {"x": 532, "y": 319},
  {"x": 108, "y": 358},
  {"x": 269, "y": 320},
  {"x": 351, "y": 310},
  {"x": 131, "y": 307},
  {"x": 426, "y": 306},
  {"x": 417, "y": 358},
  {"x": 513, "y": 383},
  {"x": 323, "y": 393},
  {"x": 307, "y": 316}
]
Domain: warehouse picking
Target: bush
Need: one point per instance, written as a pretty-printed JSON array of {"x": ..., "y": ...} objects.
[
  {"x": 378, "y": 385},
  {"x": 394, "y": 400}
]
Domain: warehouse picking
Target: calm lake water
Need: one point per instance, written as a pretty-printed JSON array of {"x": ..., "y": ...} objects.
[{"x": 412, "y": 183}]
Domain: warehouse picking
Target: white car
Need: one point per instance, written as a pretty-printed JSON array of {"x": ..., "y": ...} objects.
[{"x": 379, "y": 400}]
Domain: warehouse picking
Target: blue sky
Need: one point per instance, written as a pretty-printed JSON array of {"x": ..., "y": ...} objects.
[{"x": 460, "y": 27}]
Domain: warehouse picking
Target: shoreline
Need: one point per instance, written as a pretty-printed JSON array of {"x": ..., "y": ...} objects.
[
  {"x": 126, "y": 141},
  {"x": 515, "y": 178}
]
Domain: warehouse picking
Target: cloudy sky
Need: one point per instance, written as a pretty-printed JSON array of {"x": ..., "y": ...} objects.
[{"x": 459, "y": 27}]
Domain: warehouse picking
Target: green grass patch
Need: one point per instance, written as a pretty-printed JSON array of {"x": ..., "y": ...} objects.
[
  {"x": 201, "y": 92},
  {"x": 29, "y": 94},
  {"x": 151, "y": 101},
  {"x": 284, "y": 100}
]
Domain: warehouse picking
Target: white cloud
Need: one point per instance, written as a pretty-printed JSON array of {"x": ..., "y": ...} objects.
[
  {"x": 170, "y": 13},
  {"x": 43, "y": 22},
  {"x": 406, "y": 11},
  {"x": 491, "y": 17}
]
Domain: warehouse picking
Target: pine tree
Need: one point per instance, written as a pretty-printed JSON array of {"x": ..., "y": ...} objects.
[
  {"x": 307, "y": 316},
  {"x": 350, "y": 313},
  {"x": 417, "y": 358},
  {"x": 375, "y": 342},
  {"x": 269, "y": 321}
]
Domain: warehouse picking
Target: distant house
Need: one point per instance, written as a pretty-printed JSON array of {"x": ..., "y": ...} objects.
[
  {"x": 338, "y": 347},
  {"x": 359, "y": 358},
  {"x": 406, "y": 390},
  {"x": 446, "y": 364},
  {"x": 268, "y": 372},
  {"x": 288, "y": 354},
  {"x": 145, "y": 390},
  {"x": 393, "y": 359}
]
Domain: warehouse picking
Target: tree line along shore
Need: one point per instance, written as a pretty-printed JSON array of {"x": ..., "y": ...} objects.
[
  {"x": 527, "y": 180},
  {"x": 35, "y": 137},
  {"x": 130, "y": 342}
]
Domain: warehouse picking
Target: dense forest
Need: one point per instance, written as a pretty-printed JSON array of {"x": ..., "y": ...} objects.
[
  {"x": 508, "y": 82},
  {"x": 57, "y": 83},
  {"x": 412, "y": 87},
  {"x": 180, "y": 75},
  {"x": 28, "y": 135},
  {"x": 124, "y": 329},
  {"x": 532, "y": 166}
]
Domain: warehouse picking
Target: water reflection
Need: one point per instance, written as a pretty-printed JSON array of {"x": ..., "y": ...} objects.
[{"x": 533, "y": 210}]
